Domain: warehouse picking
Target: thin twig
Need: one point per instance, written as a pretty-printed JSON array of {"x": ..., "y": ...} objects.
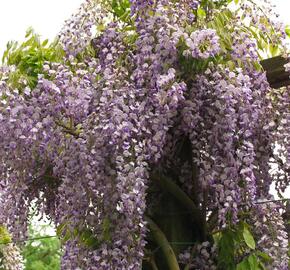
[{"x": 30, "y": 239}]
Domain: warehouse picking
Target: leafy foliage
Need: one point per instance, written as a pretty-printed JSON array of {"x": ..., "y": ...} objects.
[
  {"x": 237, "y": 249},
  {"x": 5, "y": 238},
  {"x": 41, "y": 254},
  {"x": 29, "y": 57}
]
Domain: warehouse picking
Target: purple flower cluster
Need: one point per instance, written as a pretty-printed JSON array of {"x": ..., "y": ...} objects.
[
  {"x": 77, "y": 32},
  {"x": 201, "y": 256},
  {"x": 245, "y": 47},
  {"x": 140, "y": 6},
  {"x": 202, "y": 44},
  {"x": 11, "y": 258},
  {"x": 267, "y": 217}
]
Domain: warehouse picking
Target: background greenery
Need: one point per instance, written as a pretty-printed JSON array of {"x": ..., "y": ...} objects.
[{"x": 41, "y": 254}]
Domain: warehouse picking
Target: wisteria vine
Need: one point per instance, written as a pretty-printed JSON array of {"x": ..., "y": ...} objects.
[{"x": 173, "y": 91}]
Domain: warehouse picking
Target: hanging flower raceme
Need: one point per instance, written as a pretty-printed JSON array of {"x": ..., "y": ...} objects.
[
  {"x": 12, "y": 259},
  {"x": 202, "y": 256},
  {"x": 275, "y": 244},
  {"x": 10, "y": 256},
  {"x": 77, "y": 32},
  {"x": 202, "y": 44},
  {"x": 140, "y": 6}
]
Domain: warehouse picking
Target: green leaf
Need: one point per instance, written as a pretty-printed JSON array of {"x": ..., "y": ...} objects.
[
  {"x": 264, "y": 256},
  {"x": 274, "y": 50},
  {"x": 249, "y": 238},
  {"x": 121, "y": 9},
  {"x": 29, "y": 32},
  {"x": 63, "y": 232},
  {"x": 244, "y": 265},
  {"x": 201, "y": 13},
  {"x": 249, "y": 263},
  {"x": 106, "y": 229},
  {"x": 287, "y": 30},
  {"x": 60, "y": 229},
  {"x": 262, "y": 266},
  {"x": 5, "y": 237},
  {"x": 87, "y": 237},
  {"x": 44, "y": 43},
  {"x": 254, "y": 262},
  {"x": 226, "y": 250}
]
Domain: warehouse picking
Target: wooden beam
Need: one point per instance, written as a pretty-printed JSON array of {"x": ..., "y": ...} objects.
[{"x": 275, "y": 71}]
